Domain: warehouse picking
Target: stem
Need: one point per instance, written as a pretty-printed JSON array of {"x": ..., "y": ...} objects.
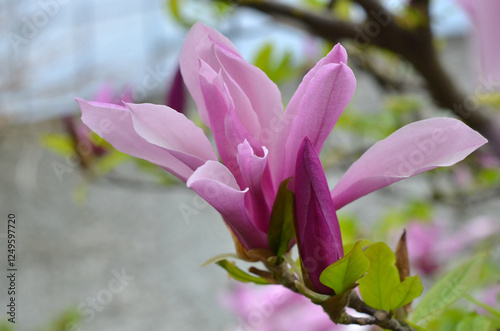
[
  {"x": 288, "y": 258},
  {"x": 333, "y": 305},
  {"x": 377, "y": 317}
]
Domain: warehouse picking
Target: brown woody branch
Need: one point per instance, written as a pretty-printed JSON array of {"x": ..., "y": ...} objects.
[{"x": 415, "y": 46}]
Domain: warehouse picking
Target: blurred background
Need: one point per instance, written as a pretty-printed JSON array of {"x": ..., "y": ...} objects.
[{"x": 89, "y": 217}]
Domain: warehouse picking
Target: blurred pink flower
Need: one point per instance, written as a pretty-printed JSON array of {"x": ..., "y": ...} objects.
[
  {"x": 431, "y": 244},
  {"x": 275, "y": 308},
  {"x": 484, "y": 15},
  {"x": 176, "y": 96}
]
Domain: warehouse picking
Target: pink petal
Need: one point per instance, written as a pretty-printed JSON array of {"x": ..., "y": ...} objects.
[
  {"x": 215, "y": 183},
  {"x": 313, "y": 111},
  {"x": 252, "y": 85},
  {"x": 318, "y": 232},
  {"x": 488, "y": 26},
  {"x": 411, "y": 150},
  {"x": 195, "y": 48},
  {"x": 227, "y": 128},
  {"x": 257, "y": 100},
  {"x": 468, "y": 6},
  {"x": 165, "y": 127},
  {"x": 252, "y": 168},
  {"x": 114, "y": 123}
]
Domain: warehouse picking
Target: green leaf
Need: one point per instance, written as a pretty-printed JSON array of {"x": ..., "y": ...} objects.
[
  {"x": 263, "y": 58},
  {"x": 362, "y": 243},
  {"x": 377, "y": 285},
  {"x": 454, "y": 285},
  {"x": 110, "y": 161},
  {"x": 474, "y": 322},
  {"x": 416, "y": 327},
  {"x": 343, "y": 9},
  {"x": 409, "y": 289},
  {"x": 60, "y": 144},
  {"x": 281, "y": 231},
  {"x": 80, "y": 193},
  {"x": 220, "y": 257},
  {"x": 486, "y": 307},
  {"x": 173, "y": 6},
  {"x": 240, "y": 275},
  {"x": 342, "y": 274}
]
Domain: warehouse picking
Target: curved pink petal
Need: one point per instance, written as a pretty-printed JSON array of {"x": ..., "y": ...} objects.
[
  {"x": 318, "y": 231},
  {"x": 195, "y": 47},
  {"x": 337, "y": 55},
  {"x": 163, "y": 126},
  {"x": 252, "y": 168},
  {"x": 257, "y": 100},
  {"x": 114, "y": 123},
  {"x": 326, "y": 96},
  {"x": 411, "y": 150},
  {"x": 252, "y": 85},
  {"x": 215, "y": 183},
  {"x": 488, "y": 26},
  {"x": 227, "y": 128}
]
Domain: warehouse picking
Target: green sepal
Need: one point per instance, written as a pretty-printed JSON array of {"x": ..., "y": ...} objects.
[
  {"x": 281, "y": 231},
  {"x": 239, "y": 274},
  {"x": 344, "y": 273}
]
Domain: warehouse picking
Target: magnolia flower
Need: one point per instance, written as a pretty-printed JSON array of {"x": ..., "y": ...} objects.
[{"x": 256, "y": 142}]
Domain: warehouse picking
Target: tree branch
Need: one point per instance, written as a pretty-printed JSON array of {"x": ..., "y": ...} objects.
[
  {"x": 377, "y": 317},
  {"x": 416, "y": 46}
]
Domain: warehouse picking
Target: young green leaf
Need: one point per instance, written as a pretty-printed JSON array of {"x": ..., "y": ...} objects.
[
  {"x": 474, "y": 322},
  {"x": 362, "y": 243},
  {"x": 409, "y": 289},
  {"x": 110, "y": 161},
  {"x": 240, "y": 275},
  {"x": 342, "y": 274},
  {"x": 281, "y": 231},
  {"x": 454, "y": 285},
  {"x": 263, "y": 58},
  {"x": 220, "y": 257},
  {"x": 60, "y": 144},
  {"x": 377, "y": 285}
]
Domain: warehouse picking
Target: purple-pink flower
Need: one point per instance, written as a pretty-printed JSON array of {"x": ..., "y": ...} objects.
[{"x": 257, "y": 143}]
